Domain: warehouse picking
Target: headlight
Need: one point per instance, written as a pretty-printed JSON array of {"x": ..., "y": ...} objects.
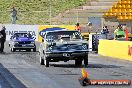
[
  {"x": 84, "y": 47},
  {"x": 15, "y": 42},
  {"x": 32, "y": 42}
]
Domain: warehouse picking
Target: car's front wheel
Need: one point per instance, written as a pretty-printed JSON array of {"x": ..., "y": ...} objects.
[
  {"x": 78, "y": 62},
  {"x": 13, "y": 49},
  {"x": 34, "y": 50},
  {"x": 86, "y": 60},
  {"x": 41, "y": 61},
  {"x": 46, "y": 61}
]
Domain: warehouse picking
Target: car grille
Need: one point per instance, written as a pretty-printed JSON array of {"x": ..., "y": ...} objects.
[
  {"x": 69, "y": 47},
  {"x": 25, "y": 42}
]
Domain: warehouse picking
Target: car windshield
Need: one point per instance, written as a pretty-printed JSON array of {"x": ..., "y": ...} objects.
[
  {"x": 22, "y": 35},
  {"x": 57, "y": 35}
]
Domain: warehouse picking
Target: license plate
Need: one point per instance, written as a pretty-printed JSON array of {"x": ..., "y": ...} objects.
[{"x": 23, "y": 45}]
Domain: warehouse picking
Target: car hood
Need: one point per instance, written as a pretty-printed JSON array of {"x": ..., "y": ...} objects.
[
  {"x": 24, "y": 39},
  {"x": 68, "y": 46}
]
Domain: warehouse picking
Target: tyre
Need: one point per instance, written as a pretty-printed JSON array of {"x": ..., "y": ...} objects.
[
  {"x": 13, "y": 49},
  {"x": 34, "y": 50},
  {"x": 78, "y": 62},
  {"x": 46, "y": 61},
  {"x": 41, "y": 61},
  {"x": 86, "y": 60}
]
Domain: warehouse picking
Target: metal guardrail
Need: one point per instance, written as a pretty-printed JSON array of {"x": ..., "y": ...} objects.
[
  {"x": 130, "y": 35},
  {"x": 86, "y": 35}
]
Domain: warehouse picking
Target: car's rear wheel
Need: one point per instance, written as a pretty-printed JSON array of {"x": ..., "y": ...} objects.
[
  {"x": 78, "y": 62},
  {"x": 86, "y": 60}
]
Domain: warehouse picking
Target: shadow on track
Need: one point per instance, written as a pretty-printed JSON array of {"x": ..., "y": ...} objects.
[
  {"x": 102, "y": 66},
  {"x": 11, "y": 79},
  {"x": 89, "y": 66},
  {"x": 19, "y": 52},
  {"x": 67, "y": 65}
]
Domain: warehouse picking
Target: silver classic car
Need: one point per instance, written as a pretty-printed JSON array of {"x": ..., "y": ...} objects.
[{"x": 63, "y": 45}]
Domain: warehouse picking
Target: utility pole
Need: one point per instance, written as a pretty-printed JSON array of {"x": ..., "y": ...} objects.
[
  {"x": 50, "y": 16},
  {"x": 77, "y": 16}
]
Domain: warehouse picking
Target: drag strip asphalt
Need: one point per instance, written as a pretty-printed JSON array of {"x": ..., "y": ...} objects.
[{"x": 22, "y": 70}]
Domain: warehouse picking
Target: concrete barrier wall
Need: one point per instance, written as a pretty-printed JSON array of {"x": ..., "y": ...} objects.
[
  {"x": 11, "y": 29},
  {"x": 116, "y": 49},
  {"x": 34, "y": 30}
]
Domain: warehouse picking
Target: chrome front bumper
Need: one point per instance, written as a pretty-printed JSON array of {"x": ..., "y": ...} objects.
[
  {"x": 21, "y": 46},
  {"x": 71, "y": 55}
]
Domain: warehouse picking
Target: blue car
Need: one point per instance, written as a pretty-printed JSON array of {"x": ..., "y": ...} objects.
[{"x": 22, "y": 41}]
